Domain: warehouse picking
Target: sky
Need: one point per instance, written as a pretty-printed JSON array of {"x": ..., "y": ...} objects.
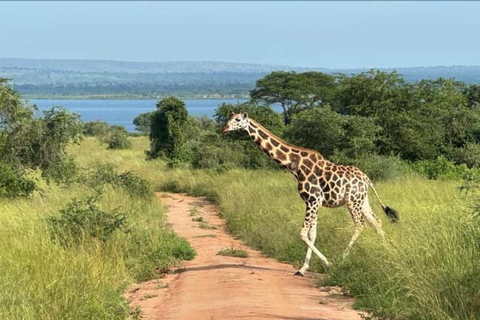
[{"x": 300, "y": 34}]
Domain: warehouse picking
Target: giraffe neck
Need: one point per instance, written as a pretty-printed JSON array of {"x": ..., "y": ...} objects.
[{"x": 280, "y": 151}]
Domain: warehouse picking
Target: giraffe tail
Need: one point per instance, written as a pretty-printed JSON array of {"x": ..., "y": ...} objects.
[{"x": 391, "y": 213}]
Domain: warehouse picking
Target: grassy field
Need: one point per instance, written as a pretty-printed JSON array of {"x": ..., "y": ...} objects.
[
  {"x": 41, "y": 279},
  {"x": 427, "y": 269}
]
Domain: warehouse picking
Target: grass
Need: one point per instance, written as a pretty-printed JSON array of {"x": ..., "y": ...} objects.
[
  {"x": 40, "y": 279},
  {"x": 426, "y": 270},
  {"x": 232, "y": 252}
]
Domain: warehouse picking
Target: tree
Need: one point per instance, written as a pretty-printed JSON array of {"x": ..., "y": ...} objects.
[
  {"x": 29, "y": 142},
  {"x": 321, "y": 129},
  {"x": 142, "y": 122},
  {"x": 294, "y": 91},
  {"x": 166, "y": 129}
]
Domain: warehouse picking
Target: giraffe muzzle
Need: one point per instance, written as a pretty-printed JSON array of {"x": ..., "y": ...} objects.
[{"x": 225, "y": 129}]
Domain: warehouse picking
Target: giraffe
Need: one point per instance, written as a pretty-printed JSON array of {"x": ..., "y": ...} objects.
[{"x": 321, "y": 183}]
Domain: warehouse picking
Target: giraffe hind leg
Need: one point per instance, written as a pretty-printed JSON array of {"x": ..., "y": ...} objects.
[
  {"x": 373, "y": 219},
  {"x": 358, "y": 218}
]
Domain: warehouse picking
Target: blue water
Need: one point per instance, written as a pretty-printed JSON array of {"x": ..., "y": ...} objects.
[{"x": 122, "y": 112}]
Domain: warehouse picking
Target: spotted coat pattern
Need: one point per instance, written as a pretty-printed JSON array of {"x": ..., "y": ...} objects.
[{"x": 321, "y": 183}]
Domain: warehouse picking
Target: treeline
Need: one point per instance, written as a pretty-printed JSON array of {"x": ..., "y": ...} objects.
[{"x": 375, "y": 120}]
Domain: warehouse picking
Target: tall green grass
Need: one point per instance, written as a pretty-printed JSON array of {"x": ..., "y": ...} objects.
[
  {"x": 427, "y": 268},
  {"x": 40, "y": 279}
]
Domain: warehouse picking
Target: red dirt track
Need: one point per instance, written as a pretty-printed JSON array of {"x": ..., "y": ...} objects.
[{"x": 221, "y": 287}]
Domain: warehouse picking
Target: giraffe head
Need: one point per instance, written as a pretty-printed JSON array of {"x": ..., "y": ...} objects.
[{"x": 236, "y": 122}]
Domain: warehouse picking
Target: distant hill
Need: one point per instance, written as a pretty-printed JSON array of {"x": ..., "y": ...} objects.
[{"x": 44, "y": 78}]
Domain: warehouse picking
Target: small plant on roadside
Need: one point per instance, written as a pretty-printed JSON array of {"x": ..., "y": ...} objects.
[
  {"x": 232, "y": 252},
  {"x": 148, "y": 295},
  {"x": 193, "y": 211},
  {"x": 82, "y": 219},
  {"x": 206, "y": 226},
  {"x": 135, "y": 314},
  {"x": 198, "y": 219}
]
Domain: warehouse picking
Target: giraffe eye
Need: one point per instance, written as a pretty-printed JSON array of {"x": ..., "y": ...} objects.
[{"x": 238, "y": 119}]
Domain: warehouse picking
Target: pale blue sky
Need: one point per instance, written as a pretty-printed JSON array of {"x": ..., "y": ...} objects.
[{"x": 315, "y": 34}]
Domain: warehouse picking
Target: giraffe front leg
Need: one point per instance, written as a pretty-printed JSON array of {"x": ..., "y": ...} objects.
[
  {"x": 312, "y": 235},
  {"x": 309, "y": 222}
]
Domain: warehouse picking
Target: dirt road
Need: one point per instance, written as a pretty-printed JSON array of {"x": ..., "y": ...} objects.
[{"x": 221, "y": 287}]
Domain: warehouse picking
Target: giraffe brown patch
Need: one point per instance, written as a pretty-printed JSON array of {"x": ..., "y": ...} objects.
[
  {"x": 296, "y": 150},
  {"x": 321, "y": 163},
  {"x": 258, "y": 141},
  {"x": 251, "y": 130},
  {"x": 294, "y": 157},
  {"x": 314, "y": 190},
  {"x": 313, "y": 157},
  {"x": 323, "y": 183},
  {"x": 284, "y": 149},
  {"x": 301, "y": 176},
  {"x": 308, "y": 163},
  {"x": 253, "y": 125},
  {"x": 339, "y": 182},
  {"x": 268, "y": 146},
  {"x": 312, "y": 179},
  {"x": 304, "y": 196},
  {"x": 307, "y": 186},
  {"x": 305, "y": 169},
  {"x": 328, "y": 175},
  {"x": 280, "y": 155},
  {"x": 317, "y": 171},
  {"x": 304, "y": 153},
  {"x": 274, "y": 142},
  {"x": 262, "y": 134}
]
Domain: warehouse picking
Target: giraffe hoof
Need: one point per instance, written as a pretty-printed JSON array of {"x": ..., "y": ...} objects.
[{"x": 298, "y": 273}]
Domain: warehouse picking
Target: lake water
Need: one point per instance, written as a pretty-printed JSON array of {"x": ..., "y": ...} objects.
[{"x": 122, "y": 112}]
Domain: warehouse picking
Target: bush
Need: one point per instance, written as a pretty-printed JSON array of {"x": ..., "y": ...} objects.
[
  {"x": 167, "y": 129},
  {"x": 441, "y": 168},
  {"x": 82, "y": 219},
  {"x": 13, "y": 184},
  {"x": 129, "y": 181},
  {"x": 95, "y": 128},
  {"x": 65, "y": 171},
  {"x": 376, "y": 167},
  {"x": 143, "y": 122},
  {"x": 117, "y": 138}
]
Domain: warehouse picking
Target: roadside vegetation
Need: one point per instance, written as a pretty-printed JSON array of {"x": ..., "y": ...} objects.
[
  {"x": 75, "y": 233},
  {"x": 417, "y": 141},
  {"x": 83, "y": 223}
]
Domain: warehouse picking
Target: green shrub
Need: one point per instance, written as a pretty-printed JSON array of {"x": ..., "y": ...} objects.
[
  {"x": 376, "y": 167},
  {"x": 117, "y": 138},
  {"x": 441, "y": 168},
  {"x": 128, "y": 180},
  {"x": 82, "y": 219},
  {"x": 167, "y": 129},
  {"x": 13, "y": 184},
  {"x": 95, "y": 128},
  {"x": 66, "y": 171}
]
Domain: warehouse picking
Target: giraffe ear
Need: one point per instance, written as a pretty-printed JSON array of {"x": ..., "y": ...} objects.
[
  {"x": 232, "y": 113},
  {"x": 245, "y": 115}
]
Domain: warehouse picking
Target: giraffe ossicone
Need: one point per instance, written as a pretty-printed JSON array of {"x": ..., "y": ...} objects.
[{"x": 321, "y": 183}]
